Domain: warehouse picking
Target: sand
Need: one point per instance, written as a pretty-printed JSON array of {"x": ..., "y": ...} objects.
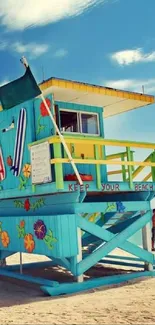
[{"x": 133, "y": 303}]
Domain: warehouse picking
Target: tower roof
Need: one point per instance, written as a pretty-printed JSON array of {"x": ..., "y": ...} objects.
[{"x": 113, "y": 101}]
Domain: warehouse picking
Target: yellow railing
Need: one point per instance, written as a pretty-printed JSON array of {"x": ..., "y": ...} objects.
[
  {"x": 91, "y": 150},
  {"x": 135, "y": 172}
]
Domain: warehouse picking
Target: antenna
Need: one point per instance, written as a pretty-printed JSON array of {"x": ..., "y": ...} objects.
[{"x": 143, "y": 89}]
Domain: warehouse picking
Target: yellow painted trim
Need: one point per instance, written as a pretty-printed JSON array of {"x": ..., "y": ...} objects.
[
  {"x": 103, "y": 142},
  {"x": 116, "y": 172},
  {"x": 117, "y": 155},
  {"x": 99, "y": 90},
  {"x": 140, "y": 168},
  {"x": 103, "y": 162},
  {"x": 147, "y": 177}
]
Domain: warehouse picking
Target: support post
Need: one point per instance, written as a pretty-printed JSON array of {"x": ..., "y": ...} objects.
[
  {"x": 58, "y": 167},
  {"x": 123, "y": 168},
  {"x": 3, "y": 262},
  {"x": 146, "y": 240},
  {"x": 98, "y": 168},
  {"x": 79, "y": 256},
  {"x": 21, "y": 264},
  {"x": 132, "y": 158},
  {"x": 129, "y": 167}
]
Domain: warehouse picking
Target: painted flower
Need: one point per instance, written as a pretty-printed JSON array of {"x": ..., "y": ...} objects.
[
  {"x": 0, "y": 228},
  {"x": 5, "y": 238},
  {"x": 22, "y": 224},
  {"x": 9, "y": 161},
  {"x": 29, "y": 243},
  {"x": 43, "y": 110},
  {"x": 27, "y": 205},
  {"x": 120, "y": 207},
  {"x": 27, "y": 170},
  {"x": 40, "y": 229}
]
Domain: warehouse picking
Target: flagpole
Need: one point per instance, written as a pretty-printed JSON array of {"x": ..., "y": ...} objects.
[{"x": 24, "y": 61}]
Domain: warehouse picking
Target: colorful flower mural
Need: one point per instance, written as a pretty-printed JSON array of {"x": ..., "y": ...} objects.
[
  {"x": 28, "y": 205},
  {"x": 9, "y": 161},
  {"x": 120, "y": 207},
  {"x": 4, "y": 236},
  {"x": 5, "y": 239},
  {"x": 49, "y": 240},
  {"x": 23, "y": 179},
  {"x": 40, "y": 229},
  {"x": 43, "y": 110},
  {"x": 27, "y": 170},
  {"x": 22, "y": 224},
  {"x": 43, "y": 113},
  {"x": 41, "y": 233},
  {"x": 29, "y": 243},
  {"x": 21, "y": 229},
  {"x": 95, "y": 216}
]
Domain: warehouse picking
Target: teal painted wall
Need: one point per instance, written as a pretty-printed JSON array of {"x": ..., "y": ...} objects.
[
  {"x": 38, "y": 127},
  {"x": 57, "y": 238}
]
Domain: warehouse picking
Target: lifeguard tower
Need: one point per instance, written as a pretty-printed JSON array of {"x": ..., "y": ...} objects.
[{"x": 64, "y": 206}]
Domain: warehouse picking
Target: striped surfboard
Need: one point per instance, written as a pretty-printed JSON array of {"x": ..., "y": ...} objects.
[
  {"x": 19, "y": 143},
  {"x": 2, "y": 167}
]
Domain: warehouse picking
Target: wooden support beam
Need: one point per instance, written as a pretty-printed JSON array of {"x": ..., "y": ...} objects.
[
  {"x": 118, "y": 155},
  {"x": 117, "y": 172},
  {"x": 93, "y": 207},
  {"x": 70, "y": 288},
  {"x": 114, "y": 241},
  {"x": 140, "y": 168},
  {"x": 146, "y": 239},
  {"x": 147, "y": 177},
  {"x": 79, "y": 256}
]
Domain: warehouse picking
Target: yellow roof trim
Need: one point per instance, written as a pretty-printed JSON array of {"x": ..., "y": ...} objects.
[{"x": 99, "y": 90}]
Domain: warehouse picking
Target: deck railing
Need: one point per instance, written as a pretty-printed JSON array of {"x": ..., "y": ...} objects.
[{"x": 123, "y": 159}]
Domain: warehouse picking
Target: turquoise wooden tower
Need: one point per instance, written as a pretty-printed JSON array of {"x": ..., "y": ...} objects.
[{"x": 58, "y": 197}]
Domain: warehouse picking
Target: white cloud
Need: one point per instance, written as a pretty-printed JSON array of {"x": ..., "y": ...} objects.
[
  {"x": 133, "y": 85},
  {"x": 34, "y": 49},
  {"x": 60, "y": 53},
  {"x": 20, "y": 14},
  {"x": 128, "y": 57}
]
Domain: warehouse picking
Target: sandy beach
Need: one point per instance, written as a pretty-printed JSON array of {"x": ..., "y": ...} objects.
[{"x": 133, "y": 303}]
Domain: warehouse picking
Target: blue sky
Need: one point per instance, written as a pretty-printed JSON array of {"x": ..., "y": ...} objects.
[{"x": 106, "y": 42}]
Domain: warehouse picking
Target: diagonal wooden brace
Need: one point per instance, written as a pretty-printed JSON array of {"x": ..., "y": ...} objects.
[{"x": 113, "y": 241}]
